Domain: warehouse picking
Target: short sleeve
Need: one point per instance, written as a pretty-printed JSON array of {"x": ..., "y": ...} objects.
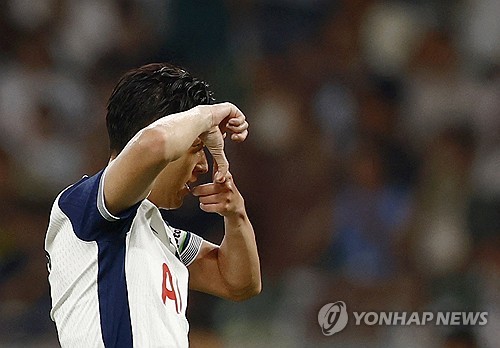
[
  {"x": 83, "y": 203},
  {"x": 188, "y": 245}
]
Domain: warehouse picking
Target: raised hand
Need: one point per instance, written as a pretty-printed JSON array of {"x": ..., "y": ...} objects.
[
  {"x": 229, "y": 118},
  {"x": 225, "y": 117},
  {"x": 222, "y": 198},
  {"x": 214, "y": 141}
]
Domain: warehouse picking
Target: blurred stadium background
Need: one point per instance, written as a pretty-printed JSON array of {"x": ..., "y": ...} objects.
[{"x": 372, "y": 170}]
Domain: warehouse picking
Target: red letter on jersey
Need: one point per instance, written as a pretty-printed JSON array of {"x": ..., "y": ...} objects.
[{"x": 166, "y": 292}]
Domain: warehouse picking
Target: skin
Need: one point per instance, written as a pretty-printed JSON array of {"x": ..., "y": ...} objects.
[
  {"x": 170, "y": 187},
  {"x": 165, "y": 156}
]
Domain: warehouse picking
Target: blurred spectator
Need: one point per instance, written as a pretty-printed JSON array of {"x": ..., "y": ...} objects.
[
  {"x": 443, "y": 242},
  {"x": 369, "y": 213},
  {"x": 389, "y": 33},
  {"x": 487, "y": 270},
  {"x": 87, "y": 30},
  {"x": 282, "y": 23},
  {"x": 438, "y": 94},
  {"x": 481, "y": 31}
]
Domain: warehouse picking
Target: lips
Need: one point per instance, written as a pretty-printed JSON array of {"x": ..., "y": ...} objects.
[{"x": 187, "y": 188}]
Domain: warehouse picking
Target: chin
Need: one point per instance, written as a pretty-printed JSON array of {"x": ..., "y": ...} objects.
[
  {"x": 177, "y": 203},
  {"x": 176, "y": 206},
  {"x": 171, "y": 205},
  {"x": 171, "y": 202}
]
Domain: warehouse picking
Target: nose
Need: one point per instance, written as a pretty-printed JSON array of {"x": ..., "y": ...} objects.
[{"x": 201, "y": 166}]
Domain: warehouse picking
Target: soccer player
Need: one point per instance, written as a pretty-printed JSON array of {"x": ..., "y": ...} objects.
[{"x": 118, "y": 273}]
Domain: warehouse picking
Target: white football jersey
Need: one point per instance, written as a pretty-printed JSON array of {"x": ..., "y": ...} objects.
[{"x": 116, "y": 281}]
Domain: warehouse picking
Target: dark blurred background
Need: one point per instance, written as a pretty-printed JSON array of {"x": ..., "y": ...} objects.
[{"x": 371, "y": 174}]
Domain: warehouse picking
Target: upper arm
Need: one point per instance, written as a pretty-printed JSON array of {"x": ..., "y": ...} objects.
[
  {"x": 204, "y": 273},
  {"x": 130, "y": 175},
  {"x": 83, "y": 204}
]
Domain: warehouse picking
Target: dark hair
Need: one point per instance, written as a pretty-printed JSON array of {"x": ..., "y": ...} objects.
[{"x": 148, "y": 93}]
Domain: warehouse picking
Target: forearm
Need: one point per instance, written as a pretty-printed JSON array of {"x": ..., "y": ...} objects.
[
  {"x": 179, "y": 131},
  {"x": 130, "y": 175},
  {"x": 238, "y": 258}
]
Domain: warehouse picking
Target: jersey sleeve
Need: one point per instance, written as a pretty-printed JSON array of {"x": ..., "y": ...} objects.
[
  {"x": 188, "y": 245},
  {"x": 84, "y": 205}
]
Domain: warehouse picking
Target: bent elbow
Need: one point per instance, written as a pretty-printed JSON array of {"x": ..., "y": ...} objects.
[
  {"x": 254, "y": 291},
  {"x": 246, "y": 293},
  {"x": 153, "y": 141}
]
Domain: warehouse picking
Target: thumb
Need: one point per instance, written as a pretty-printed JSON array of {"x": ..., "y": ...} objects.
[
  {"x": 220, "y": 168},
  {"x": 214, "y": 142}
]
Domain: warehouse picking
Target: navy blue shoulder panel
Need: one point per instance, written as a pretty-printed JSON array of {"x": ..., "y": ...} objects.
[{"x": 79, "y": 203}]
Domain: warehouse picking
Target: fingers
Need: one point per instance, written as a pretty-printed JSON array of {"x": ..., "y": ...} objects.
[
  {"x": 216, "y": 174},
  {"x": 225, "y": 110},
  {"x": 239, "y": 137},
  {"x": 212, "y": 208},
  {"x": 214, "y": 142},
  {"x": 214, "y": 198},
  {"x": 239, "y": 128},
  {"x": 225, "y": 117},
  {"x": 223, "y": 199},
  {"x": 237, "y": 124},
  {"x": 220, "y": 170},
  {"x": 229, "y": 118},
  {"x": 213, "y": 188}
]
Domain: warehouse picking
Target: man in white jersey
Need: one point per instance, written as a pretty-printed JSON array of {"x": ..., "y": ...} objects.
[{"x": 119, "y": 274}]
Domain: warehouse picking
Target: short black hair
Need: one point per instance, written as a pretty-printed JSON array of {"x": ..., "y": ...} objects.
[{"x": 148, "y": 93}]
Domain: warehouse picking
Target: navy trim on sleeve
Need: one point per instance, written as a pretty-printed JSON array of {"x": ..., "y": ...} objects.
[{"x": 79, "y": 203}]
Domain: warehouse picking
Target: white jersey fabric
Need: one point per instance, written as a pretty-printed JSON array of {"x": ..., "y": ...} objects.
[{"x": 116, "y": 281}]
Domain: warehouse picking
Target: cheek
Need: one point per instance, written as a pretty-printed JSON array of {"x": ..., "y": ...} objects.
[
  {"x": 185, "y": 171},
  {"x": 184, "y": 168},
  {"x": 194, "y": 161}
]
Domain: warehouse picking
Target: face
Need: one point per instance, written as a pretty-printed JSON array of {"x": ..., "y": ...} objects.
[{"x": 171, "y": 185}]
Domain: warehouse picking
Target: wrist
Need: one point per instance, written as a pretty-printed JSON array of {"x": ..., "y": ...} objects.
[
  {"x": 204, "y": 113},
  {"x": 236, "y": 215}
]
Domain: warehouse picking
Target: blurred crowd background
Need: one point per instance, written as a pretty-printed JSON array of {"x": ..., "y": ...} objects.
[{"x": 371, "y": 173}]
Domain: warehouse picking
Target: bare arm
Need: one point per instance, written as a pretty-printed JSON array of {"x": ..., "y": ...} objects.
[
  {"x": 231, "y": 270},
  {"x": 130, "y": 175}
]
